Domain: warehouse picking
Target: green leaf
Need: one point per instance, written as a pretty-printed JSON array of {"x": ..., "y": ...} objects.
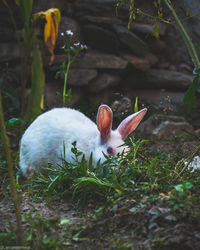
[
  {"x": 90, "y": 165},
  {"x": 69, "y": 95},
  {"x": 136, "y": 105},
  {"x": 189, "y": 98},
  {"x": 72, "y": 49},
  {"x": 63, "y": 64},
  {"x": 156, "y": 30},
  {"x": 118, "y": 191},
  {"x": 14, "y": 121},
  {"x": 179, "y": 187},
  {"x": 26, "y": 9},
  {"x": 133, "y": 210},
  {"x": 58, "y": 73},
  {"x": 188, "y": 185},
  {"x": 38, "y": 82},
  {"x": 64, "y": 222}
]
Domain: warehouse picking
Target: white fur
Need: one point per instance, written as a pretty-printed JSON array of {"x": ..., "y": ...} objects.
[{"x": 45, "y": 139}]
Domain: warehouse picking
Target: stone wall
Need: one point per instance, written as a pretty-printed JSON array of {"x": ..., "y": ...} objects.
[{"x": 118, "y": 61}]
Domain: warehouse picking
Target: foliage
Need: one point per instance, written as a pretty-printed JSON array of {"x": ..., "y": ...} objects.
[
  {"x": 7, "y": 150},
  {"x": 25, "y": 8},
  {"x": 189, "y": 98},
  {"x": 137, "y": 185},
  {"x": 29, "y": 42},
  {"x": 128, "y": 184},
  {"x": 29, "y": 46},
  {"x": 35, "y": 102},
  {"x": 120, "y": 176},
  {"x": 38, "y": 81},
  {"x": 72, "y": 51}
]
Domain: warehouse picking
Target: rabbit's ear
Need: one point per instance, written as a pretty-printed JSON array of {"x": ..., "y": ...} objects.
[
  {"x": 104, "y": 122},
  {"x": 129, "y": 124}
]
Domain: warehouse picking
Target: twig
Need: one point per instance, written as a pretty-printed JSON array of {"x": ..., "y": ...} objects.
[{"x": 11, "y": 175}]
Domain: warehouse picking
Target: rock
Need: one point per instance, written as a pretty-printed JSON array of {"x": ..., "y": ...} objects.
[
  {"x": 56, "y": 64},
  {"x": 169, "y": 79},
  {"x": 168, "y": 128},
  {"x": 164, "y": 65},
  {"x": 185, "y": 68},
  {"x": 9, "y": 52},
  {"x": 142, "y": 29},
  {"x": 53, "y": 95},
  {"x": 157, "y": 45},
  {"x": 90, "y": 60},
  {"x": 130, "y": 40},
  {"x": 160, "y": 126},
  {"x": 137, "y": 62},
  {"x": 172, "y": 118},
  {"x": 96, "y": 99},
  {"x": 7, "y": 34},
  {"x": 93, "y": 59},
  {"x": 101, "y": 38},
  {"x": 194, "y": 8},
  {"x": 161, "y": 79},
  {"x": 101, "y": 20},
  {"x": 160, "y": 99},
  {"x": 81, "y": 77},
  {"x": 103, "y": 2},
  {"x": 47, "y": 4},
  {"x": 103, "y": 81},
  {"x": 153, "y": 59},
  {"x": 175, "y": 50},
  {"x": 172, "y": 67},
  {"x": 147, "y": 29},
  {"x": 96, "y": 7},
  {"x": 122, "y": 108}
]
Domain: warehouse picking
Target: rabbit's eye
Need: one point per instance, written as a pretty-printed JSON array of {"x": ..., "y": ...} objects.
[{"x": 110, "y": 151}]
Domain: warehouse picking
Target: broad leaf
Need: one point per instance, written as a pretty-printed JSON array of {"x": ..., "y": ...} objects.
[
  {"x": 189, "y": 98},
  {"x": 38, "y": 81}
]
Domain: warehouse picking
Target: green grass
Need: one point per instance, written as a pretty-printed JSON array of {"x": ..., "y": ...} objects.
[{"x": 136, "y": 184}]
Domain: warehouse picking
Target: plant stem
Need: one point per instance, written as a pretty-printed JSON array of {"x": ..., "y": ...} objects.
[
  {"x": 11, "y": 175},
  {"x": 65, "y": 80},
  {"x": 190, "y": 47}
]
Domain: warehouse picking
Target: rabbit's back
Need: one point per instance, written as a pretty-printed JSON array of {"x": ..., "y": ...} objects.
[{"x": 45, "y": 139}]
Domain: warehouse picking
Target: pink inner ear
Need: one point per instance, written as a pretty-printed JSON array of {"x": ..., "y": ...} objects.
[
  {"x": 129, "y": 124},
  {"x": 104, "y": 122}
]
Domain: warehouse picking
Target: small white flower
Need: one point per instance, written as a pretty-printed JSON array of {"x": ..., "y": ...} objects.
[
  {"x": 63, "y": 47},
  {"x": 76, "y": 44},
  {"x": 69, "y": 32},
  {"x": 84, "y": 46},
  {"x": 62, "y": 34},
  {"x": 195, "y": 164}
]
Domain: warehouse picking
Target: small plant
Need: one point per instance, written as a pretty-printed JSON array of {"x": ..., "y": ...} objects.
[
  {"x": 72, "y": 51},
  {"x": 40, "y": 233}
]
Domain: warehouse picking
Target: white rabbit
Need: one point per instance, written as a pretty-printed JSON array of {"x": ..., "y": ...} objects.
[{"x": 44, "y": 140}]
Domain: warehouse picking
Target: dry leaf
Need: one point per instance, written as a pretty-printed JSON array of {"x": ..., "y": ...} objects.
[{"x": 52, "y": 17}]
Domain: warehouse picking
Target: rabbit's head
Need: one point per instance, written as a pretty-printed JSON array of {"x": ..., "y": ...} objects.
[{"x": 111, "y": 141}]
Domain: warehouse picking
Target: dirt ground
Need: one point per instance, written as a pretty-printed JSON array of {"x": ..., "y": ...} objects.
[{"x": 117, "y": 229}]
